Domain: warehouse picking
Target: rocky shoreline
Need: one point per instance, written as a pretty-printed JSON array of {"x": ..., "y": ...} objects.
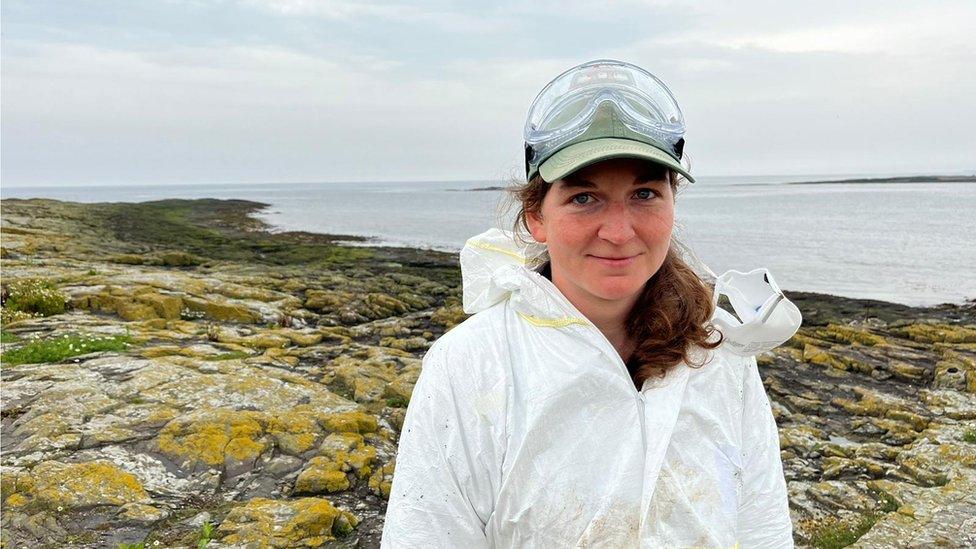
[{"x": 195, "y": 378}]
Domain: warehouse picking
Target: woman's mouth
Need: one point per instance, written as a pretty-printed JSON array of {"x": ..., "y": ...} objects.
[{"x": 615, "y": 261}]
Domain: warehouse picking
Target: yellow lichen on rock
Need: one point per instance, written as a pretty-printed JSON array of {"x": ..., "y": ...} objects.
[
  {"x": 216, "y": 437},
  {"x": 224, "y": 312},
  {"x": 304, "y": 522},
  {"x": 937, "y": 333},
  {"x": 365, "y": 380},
  {"x": 405, "y": 344},
  {"x": 382, "y": 480},
  {"x": 213, "y": 437},
  {"x": 294, "y": 432},
  {"x": 136, "y": 311},
  {"x": 321, "y": 475},
  {"x": 137, "y": 304},
  {"x": 956, "y": 370},
  {"x": 69, "y": 485},
  {"x": 350, "y": 452},
  {"x": 850, "y": 334},
  {"x": 301, "y": 338},
  {"x": 816, "y": 355},
  {"x": 165, "y": 306},
  {"x": 400, "y": 390},
  {"x": 448, "y": 316},
  {"x": 16, "y": 500},
  {"x": 327, "y": 300},
  {"x": 266, "y": 340},
  {"x": 350, "y": 422},
  {"x": 802, "y": 439},
  {"x": 907, "y": 371}
]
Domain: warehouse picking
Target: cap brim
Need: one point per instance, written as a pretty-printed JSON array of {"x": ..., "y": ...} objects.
[{"x": 580, "y": 155}]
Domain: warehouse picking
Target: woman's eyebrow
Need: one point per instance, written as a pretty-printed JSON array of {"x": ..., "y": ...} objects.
[
  {"x": 650, "y": 177},
  {"x": 571, "y": 182},
  {"x": 574, "y": 182}
]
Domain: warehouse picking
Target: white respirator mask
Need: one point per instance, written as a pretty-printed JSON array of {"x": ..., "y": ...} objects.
[{"x": 766, "y": 318}]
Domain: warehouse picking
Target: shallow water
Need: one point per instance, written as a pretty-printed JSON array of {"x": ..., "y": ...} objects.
[{"x": 910, "y": 243}]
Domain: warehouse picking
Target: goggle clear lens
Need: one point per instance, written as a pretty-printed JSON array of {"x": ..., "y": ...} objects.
[{"x": 565, "y": 107}]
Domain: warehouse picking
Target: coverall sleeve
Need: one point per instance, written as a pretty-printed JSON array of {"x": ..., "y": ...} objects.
[
  {"x": 764, "y": 514},
  {"x": 441, "y": 491}
]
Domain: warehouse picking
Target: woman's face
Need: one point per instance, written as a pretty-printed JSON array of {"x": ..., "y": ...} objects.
[{"x": 608, "y": 229}]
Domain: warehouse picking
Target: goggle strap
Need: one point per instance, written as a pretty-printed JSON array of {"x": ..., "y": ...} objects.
[{"x": 679, "y": 147}]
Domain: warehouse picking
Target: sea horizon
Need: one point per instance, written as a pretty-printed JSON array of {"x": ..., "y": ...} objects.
[{"x": 898, "y": 242}]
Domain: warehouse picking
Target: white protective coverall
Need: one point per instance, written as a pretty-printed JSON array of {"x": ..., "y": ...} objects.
[{"x": 525, "y": 430}]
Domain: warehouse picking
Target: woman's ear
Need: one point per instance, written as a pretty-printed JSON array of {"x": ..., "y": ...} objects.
[{"x": 536, "y": 226}]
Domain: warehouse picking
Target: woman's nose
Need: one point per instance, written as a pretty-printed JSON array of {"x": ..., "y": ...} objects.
[{"x": 616, "y": 226}]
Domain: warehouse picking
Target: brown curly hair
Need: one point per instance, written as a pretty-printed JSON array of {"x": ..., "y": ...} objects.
[{"x": 673, "y": 312}]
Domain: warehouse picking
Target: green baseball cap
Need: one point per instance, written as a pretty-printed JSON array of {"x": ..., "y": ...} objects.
[{"x": 607, "y": 137}]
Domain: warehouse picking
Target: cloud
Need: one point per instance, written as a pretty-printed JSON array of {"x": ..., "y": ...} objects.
[
  {"x": 240, "y": 113},
  {"x": 912, "y": 30},
  {"x": 438, "y": 15},
  {"x": 302, "y": 91}
]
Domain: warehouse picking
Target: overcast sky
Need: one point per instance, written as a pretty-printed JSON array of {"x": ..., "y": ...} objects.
[{"x": 201, "y": 91}]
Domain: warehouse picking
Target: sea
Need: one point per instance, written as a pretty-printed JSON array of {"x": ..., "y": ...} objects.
[{"x": 910, "y": 243}]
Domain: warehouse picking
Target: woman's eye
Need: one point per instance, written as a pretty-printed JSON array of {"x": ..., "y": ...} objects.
[{"x": 580, "y": 199}]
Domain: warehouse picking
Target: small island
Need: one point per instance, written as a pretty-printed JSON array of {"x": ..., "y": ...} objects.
[{"x": 904, "y": 179}]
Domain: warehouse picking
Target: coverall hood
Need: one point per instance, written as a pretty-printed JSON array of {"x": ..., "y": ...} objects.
[{"x": 496, "y": 268}]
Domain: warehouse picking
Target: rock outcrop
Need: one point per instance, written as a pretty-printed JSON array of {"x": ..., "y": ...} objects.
[{"x": 186, "y": 376}]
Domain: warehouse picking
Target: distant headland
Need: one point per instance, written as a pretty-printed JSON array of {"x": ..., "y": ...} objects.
[{"x": 905, "y": 179}]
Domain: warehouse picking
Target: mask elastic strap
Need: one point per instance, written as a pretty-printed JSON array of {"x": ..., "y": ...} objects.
[{"x": 772, "y": 306}]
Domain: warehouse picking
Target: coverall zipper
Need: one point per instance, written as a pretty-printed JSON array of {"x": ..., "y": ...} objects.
[{"x": 641, "y": 402}]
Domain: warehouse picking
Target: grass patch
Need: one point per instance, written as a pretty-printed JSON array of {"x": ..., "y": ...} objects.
[
  {"x": 35, "y": 296},
  {"x": 969, "y": 436},
  {"x": 842, "y": 533},
  {"x": 82, "y": 538},
  {"x": 7, "y": 337},
  {"x": 66, "y": 346},
  {"x": 397, "y": 402},
  {"x": 888, "y": 504},
  {"x": 835, "y": 533},
  {"x": 206, "y": 534},
  {"x": 8, "y": 316}
]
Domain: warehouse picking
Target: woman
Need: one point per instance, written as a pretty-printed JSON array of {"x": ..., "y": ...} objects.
[{"x": 597, "y": 396}]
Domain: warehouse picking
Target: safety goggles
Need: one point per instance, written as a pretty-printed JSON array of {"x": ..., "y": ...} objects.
[{"x": 598, "y": 110}]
